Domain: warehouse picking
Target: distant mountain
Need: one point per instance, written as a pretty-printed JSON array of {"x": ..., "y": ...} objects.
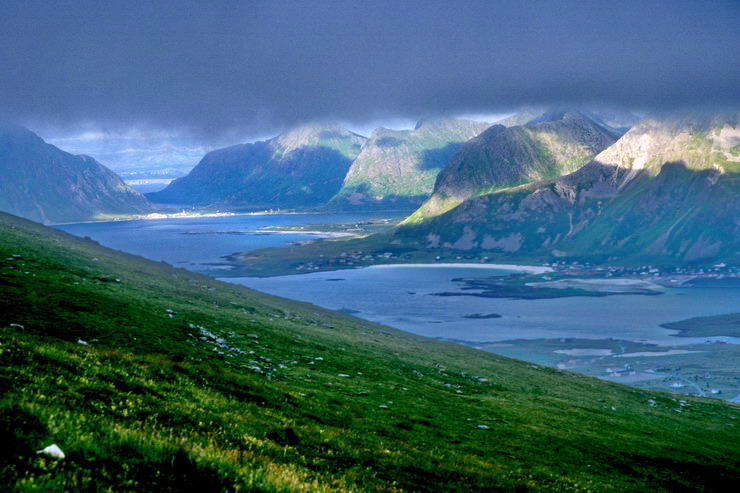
[
  {"x": 397, "y": 168},
  {"x": 302, "y": 167},
  {"x": 667, "y": 191},
  {"x": 521, "y": 117},
  {"x": 616, "y": 118},
  {"x": 45, "y": 184},
  {"x": 550, "y": 145}
]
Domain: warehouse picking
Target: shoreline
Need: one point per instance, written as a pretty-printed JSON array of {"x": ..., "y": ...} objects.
[
  {"x": 325, "y": 234},
  {"x": 156, "y": 216},
  {"x": 529, "y": 269}
]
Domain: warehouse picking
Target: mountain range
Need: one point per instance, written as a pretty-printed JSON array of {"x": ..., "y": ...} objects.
[
  {"x": 299, "y": 168},
  {"x": 668, "y": 190},
  {"x": 551, "y": 145},
  {"x": 43, "y": 183},
  {"x": 564, "y": 185},
  {"x": 327, "y": 167},
  {"x": 397, "y": 168}
]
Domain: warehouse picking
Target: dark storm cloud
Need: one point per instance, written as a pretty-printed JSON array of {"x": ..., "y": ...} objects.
[{"x": 219, "y": 65}]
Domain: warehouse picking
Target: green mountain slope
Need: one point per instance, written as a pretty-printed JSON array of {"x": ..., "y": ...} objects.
[
  {"x": 41, "y": 182},
  {"x": 549, "y": 146},
  {"x": 397, "y": 168},
  {"x": 302, "y": 167},
  {"x": 152, "y": 378},
  {"x": 667, "y": 191}
]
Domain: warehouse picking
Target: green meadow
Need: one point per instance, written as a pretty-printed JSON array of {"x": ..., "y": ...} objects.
[{"x": 153, "y": 378}]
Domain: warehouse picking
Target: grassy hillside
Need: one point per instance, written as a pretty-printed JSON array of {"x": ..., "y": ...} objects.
[{"x": 154, "y": 378}]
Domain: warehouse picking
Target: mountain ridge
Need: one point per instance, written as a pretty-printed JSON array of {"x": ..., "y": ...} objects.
[
  {"x": 46, "y": 184},
  {"x": 303, "y": 166},
  {"x": 398, "y": 167},
  {"x": 553, "y": 144},
  {"x": 672, "y": 180}
]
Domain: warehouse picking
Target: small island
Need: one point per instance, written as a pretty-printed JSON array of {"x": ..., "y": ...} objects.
[
  {"x": 482, "y": 316},
  {"x": 727, "y": 325}
]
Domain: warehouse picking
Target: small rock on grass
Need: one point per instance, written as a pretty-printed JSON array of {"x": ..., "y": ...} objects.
[{"x": 52, "y": 450}]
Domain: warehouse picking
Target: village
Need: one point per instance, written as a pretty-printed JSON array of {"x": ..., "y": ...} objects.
[{"x": 667, "y": 276}]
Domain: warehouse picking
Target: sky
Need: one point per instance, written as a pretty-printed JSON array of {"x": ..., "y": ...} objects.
[{"x": 233, "y": 71}]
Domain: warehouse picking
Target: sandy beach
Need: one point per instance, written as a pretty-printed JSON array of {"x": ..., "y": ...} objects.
[{"x": 529, "y": 269}]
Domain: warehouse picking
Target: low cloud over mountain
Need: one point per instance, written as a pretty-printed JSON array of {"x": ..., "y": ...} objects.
[{"x": 264, "y": 66}]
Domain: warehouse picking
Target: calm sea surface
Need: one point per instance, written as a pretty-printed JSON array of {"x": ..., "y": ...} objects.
[
  {"x": 401, "y": 297},
  {"x": 197, "y": 241}
]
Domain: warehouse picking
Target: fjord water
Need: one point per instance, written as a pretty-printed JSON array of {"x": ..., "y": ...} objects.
[
  {"x": 399, "y": 296},
  {"x": 196, "y": 242}
]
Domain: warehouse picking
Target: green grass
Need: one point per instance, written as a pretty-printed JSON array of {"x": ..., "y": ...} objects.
[{"x": 239, "y": 390}]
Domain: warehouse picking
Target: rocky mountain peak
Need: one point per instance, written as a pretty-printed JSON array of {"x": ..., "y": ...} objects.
[
  {"x": 397, "y": 168},
  {"x": 43, "y": 183},
  {"x": 557, "y": 143},
  {"x": 303, "y": 166},
  {"x": 315, "y": 134},
  {"x": 552, "y": 115},
  {"x": 430, "y": 122},
  {"x": 667, "y": 191},
  {"x": 16, "y": 135},
  {"x": 700, "y": 141}
]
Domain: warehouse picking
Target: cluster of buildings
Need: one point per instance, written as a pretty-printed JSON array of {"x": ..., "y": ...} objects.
[
  {"x": 674, "y": 275},
  {"x": 360, "y": 258},
  {"x": 350, "y": 258}
]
